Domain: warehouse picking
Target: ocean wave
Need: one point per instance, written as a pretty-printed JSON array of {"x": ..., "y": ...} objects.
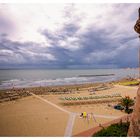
[{"x": 50, "y": 82}]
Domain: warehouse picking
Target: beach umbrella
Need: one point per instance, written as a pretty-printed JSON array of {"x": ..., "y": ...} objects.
[{"x": 137, "y": 29}]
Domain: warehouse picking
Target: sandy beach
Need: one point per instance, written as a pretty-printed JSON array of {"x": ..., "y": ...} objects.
[
  {"x": 44, "y": 115},
  {"x": 31, "y": 117}
]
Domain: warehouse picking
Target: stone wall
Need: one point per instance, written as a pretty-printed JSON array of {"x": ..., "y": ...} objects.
[{"x": 134, "y": 129}]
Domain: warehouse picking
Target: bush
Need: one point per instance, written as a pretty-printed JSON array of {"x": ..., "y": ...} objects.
[
  {"x": 114, "y": 130},
  {"x": 127, "y": 102}
]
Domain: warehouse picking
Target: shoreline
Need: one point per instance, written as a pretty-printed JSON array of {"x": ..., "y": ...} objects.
[
  {"x": 59, "y": 85},
  {"x": 18, "y": 93},
  {"x": 86, "y": 84},
  {"x": 55, "y": 86},
  {"x": 71, "y": 84},
  {"x": 72, "y": 78}
]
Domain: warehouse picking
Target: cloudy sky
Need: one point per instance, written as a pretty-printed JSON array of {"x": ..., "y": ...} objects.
[{"x": 68, "y": 35}]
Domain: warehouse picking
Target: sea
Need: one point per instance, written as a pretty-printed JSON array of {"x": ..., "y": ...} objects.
[{"x": 43, "y": 77}]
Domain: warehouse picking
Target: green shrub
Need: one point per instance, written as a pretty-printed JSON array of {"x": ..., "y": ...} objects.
[
  {"x": 127, "y": 102},
  {"x": 114, "y": 130}
]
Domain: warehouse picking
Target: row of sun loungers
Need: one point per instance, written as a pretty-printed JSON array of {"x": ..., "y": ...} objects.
[
  {"x": 53, "y": 93},
  {"x": 64, "y": 91},
  {"x": 89, "y": 97},
  {"x": 102, "y": 87},
  {"x": 49, "y": 90},
  {"x": 84, "y": 102},
  {"x": 13, "y": 95}
]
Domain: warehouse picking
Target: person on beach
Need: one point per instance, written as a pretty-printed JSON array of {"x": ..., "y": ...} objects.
[
  {"x": 84, "y": 115},
  {"x": 81, "y": 116}
]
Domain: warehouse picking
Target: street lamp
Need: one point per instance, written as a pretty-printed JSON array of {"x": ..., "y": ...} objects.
[{"x": 137, "y": 29}]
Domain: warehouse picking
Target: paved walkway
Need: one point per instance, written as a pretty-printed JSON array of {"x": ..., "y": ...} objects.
[{"x": 69, "y": 128}]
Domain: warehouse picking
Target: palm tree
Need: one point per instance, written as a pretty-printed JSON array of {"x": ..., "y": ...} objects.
[{"x": 127, "y": 102}]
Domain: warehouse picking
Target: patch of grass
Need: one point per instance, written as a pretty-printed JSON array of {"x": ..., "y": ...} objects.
[
  {"x": 129, "y": 83},
  {"x": 114, "y": 130}
]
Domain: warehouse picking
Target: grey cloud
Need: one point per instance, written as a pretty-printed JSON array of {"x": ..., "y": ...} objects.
[
  {"x": 111, "y": 45},
  {"x": 98, "y": 47},
  {"x": 23, "y": 53}
]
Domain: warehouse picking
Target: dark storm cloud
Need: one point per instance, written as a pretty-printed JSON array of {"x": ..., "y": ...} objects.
[
  {"x": 96, "y": 48},
  {"x": 26, "y": 53},
  {"x": 68, "y": 30},
  {"x": 104, "y": 44}
]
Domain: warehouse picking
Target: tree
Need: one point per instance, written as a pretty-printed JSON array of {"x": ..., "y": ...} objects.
[{"x": 127, "y": 102}]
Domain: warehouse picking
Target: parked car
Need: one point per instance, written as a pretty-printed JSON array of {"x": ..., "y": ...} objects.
[{"x": 118, "y": 107}]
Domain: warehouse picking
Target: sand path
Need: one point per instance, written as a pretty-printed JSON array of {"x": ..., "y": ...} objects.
[{"x": 54, "y": 105}]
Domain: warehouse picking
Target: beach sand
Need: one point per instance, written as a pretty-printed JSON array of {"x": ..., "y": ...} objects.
[{"x": 30, "y": 116}]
